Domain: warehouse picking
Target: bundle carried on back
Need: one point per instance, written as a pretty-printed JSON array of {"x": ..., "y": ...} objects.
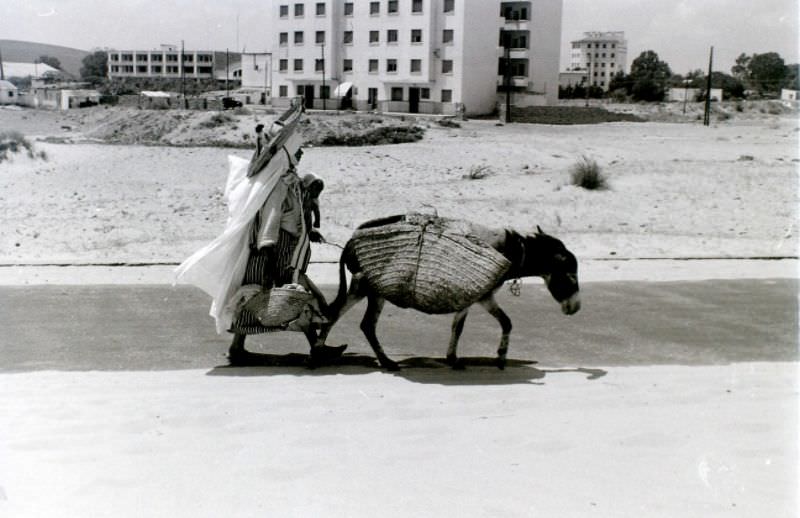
[{"x": 433, "y": 264}]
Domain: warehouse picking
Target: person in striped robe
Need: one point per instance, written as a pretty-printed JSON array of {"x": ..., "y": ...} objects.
[{"x": 279, "y": 254}]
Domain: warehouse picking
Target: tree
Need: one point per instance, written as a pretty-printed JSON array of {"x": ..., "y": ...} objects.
[
  {"x": 766, "y": 72},
  {"x": 650, "y": 77},
  {"x": 50, "y": 60},
  {"x": 792, "y": 78},
  {"x": 94, "y": 67},
  {"x": 741, "y": 70}
]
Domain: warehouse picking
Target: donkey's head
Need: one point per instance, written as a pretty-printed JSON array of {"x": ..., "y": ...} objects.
[{"x": 550, "y": 259}]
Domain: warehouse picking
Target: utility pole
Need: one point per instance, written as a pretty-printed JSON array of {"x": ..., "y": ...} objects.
[
  {"x": 322, "y": 93},
  {"x": 183, "y": 76},
  {"x": 507, "y": 75},
  {"x": 2, "y": 73},
  {"x": 707, "y": 115},
  {"x": 227, "y": 67},
  {"x": 686, "y": 82}
]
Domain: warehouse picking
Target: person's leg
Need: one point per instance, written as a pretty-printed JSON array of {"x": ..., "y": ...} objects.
[{"x": 237, "y": 354}]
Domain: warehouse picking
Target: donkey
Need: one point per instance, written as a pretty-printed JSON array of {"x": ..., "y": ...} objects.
[{"x": 530, "y": 255}]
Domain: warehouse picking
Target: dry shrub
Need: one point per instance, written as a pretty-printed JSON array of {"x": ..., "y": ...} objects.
[
  {"x": 15, "y": 142},
  {"x": 478, "y": 172},
  {"x": 586, "y": 173},
  {"x": 374, "y": 137},
  {"x": 216, "y": 120}
]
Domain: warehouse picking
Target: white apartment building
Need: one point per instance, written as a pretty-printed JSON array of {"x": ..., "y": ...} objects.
[
  {"x": 416, "y": 56},
  {"x": 599, "y": 55},
  {"x": 164, "y": 62}
]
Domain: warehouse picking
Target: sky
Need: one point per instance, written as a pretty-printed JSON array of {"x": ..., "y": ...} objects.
[{"x": 681, "y": 32}]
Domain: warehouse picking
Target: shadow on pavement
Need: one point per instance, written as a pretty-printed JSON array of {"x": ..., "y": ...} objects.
[{"x": 418, "y": 369}]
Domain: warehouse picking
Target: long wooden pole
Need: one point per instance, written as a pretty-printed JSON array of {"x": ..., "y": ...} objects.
[{"x": 707, "y": 114}]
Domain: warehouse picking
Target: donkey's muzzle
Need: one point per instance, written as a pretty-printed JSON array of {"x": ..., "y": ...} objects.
[{"x": 571, "y": 305}]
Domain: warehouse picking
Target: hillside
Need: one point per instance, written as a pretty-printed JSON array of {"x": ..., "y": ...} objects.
[{"x": 28, "y": 51}]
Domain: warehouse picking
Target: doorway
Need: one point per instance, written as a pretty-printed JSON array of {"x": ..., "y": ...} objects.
[
  {"x": 372, "y": 98},
  {"x": 308, "y": 96},
  {"x": 413, "y": 100}
]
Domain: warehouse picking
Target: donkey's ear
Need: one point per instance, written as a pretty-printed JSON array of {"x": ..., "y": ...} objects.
[{"x": 539, "y": 231}]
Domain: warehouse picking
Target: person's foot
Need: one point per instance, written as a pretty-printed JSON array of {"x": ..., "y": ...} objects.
[
  {"x": 328, "y": 351},
  {"x": 240, "y": 357}
]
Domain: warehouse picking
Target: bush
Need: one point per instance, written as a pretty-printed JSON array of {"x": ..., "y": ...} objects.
[
  {"x": 216, "y": 120},
  {"x": 15, "y": 142},
  {"x": 478, "y": 172},
  {"x": 374, "y": 137},
  {"x": 587, "y": 174}
]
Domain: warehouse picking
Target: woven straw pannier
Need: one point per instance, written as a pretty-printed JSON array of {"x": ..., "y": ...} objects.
[
  {"x": 428, "y": 263},
  {"x": 279, "y": 306}
]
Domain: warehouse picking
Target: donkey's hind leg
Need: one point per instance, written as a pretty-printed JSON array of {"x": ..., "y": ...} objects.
[
  {"x": 455, "y": 333},
  {"x": 505, "y": 325},
  {"x": 368, "y": 324}
]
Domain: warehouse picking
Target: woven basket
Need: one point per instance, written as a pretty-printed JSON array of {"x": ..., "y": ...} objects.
[
  {"x": 428, "y": 263},
  {"x": 279, "y": 306}
]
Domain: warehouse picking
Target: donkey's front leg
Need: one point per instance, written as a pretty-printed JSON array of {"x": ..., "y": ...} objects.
[
  {"x": 455, "y": 333},
  {"x": 505, "y": 325}
]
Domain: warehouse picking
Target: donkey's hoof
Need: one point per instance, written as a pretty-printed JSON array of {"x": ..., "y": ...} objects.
[
  {"x": 501, "y": 363},
  {"x": 390, "y": 365},
  {"x": 456, "y": 363}
]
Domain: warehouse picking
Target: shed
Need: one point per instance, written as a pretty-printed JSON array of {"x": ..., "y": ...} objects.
[{"x": 8, "y": 92}]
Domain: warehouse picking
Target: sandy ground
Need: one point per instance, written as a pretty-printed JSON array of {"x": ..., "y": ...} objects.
[{"x": 638, "y": 441}]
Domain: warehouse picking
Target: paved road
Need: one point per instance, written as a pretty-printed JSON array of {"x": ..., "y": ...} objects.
[{"x": 623, "y": 323}]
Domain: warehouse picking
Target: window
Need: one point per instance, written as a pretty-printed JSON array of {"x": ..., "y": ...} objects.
[
  {"x": 284, "y": 10},
  {"x": 612, "y": 54},
  {"x": 374, "y": 36},
  {"x": 298, "y": 65},
  {"x": 283, "y": 65},
  {"x": 416, "y": 66},
  {"x": 299, "y": 10},
  {"x": 283, "y": 39},
  {"x": 298, "y": 37},
  {"x": 141, "y": 57},
  {"x": 348, "y": 37},
  {"x": 347, "y": 65},
  {"x": 416, "y": 6},
  {"x": 374, "y": 8},
  {"x": 397, "y": 93},
  {"x": 156, "y": 58},
  {"x": 391, "y": 65},
  {"x": 447, "y": 36},
  {"x": 320, "y": 38},
  {"x": 188, "y": 70},
  {"x": 348, "y": 8},
  {"x": 141, "y": 69},
  {"x": 156, "y": 69},
  {"x": 283, "y": 91},
  {"x": 449, "y": 6},
  {"x": 447, "y": 66},
  {"x": 325, "y": 92},
  {"x": 373, "y": 66},
  {"x": 604, "y": 45},
  {"x": 392, "y": 8},
  {"x": 447, "y": 96},
  {"x": 613, "y": 45},
  {"x": 319, "y": 65},
  {"x": 320, "y": 8},
  {"x": 424, "y": 93},
  {"x": 188, "y": 57},
  {"x": 416, "y": 35},
  {"x": 391, "y": 36}
]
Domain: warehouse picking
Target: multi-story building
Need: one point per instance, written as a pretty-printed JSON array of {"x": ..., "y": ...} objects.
[
  {"x": 417, "y": 56},
  {"x": 164, "y": 63},
  {"x": 597, "y": 57}
]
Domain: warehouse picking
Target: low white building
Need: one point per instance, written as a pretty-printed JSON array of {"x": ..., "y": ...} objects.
[
  {"x": 691, "y": 94},
  {"x": 32, "y": 70},
  {"x": 8, "y": 93},
  {"x": 789, "y": 95}
]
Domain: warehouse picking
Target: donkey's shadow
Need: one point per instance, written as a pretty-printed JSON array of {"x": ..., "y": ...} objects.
[{"x": 477, "y": 370}]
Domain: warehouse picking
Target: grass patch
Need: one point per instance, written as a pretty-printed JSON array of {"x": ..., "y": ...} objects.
[
  {"x": 587, "y": 174},
  {"x": 12, "y": 142},
  {"x": 216, "y": 120},
  {"x": 374, "y": 137},
  {"x": 478, "y": 172}
]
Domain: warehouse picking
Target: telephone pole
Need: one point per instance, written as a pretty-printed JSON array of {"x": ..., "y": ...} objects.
[
  {"x": 323, "y": 93},
  {"x": 707, "y": 114},
  {"x": 183, "y": 75},
  {"x": 507, "y": 75}
]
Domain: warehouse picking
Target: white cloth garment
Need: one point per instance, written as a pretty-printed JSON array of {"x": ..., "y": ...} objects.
[{"x": 218, "y": 268}]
